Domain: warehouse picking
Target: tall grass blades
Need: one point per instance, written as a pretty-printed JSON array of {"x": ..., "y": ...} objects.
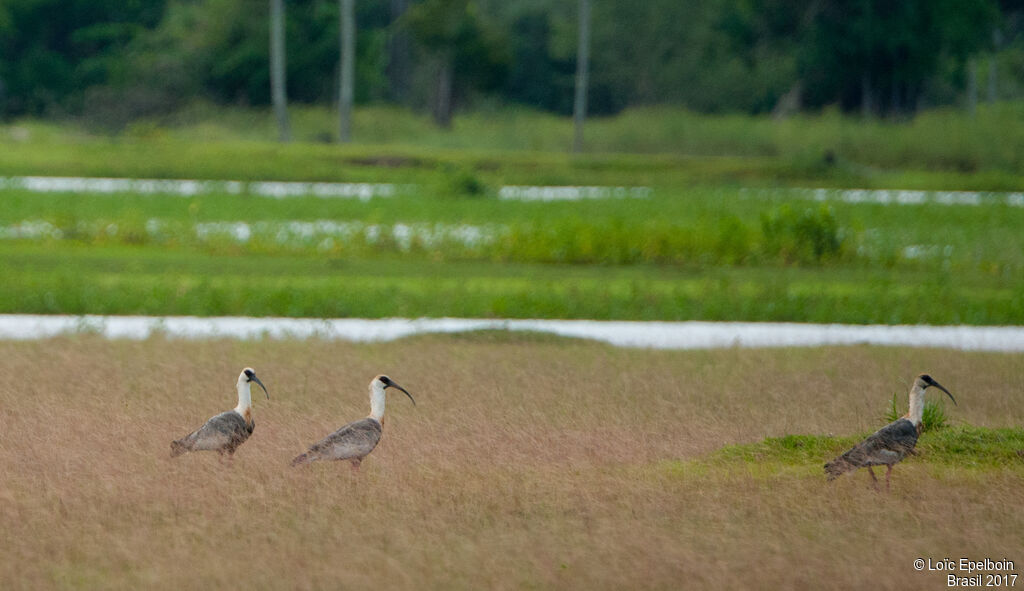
[{"x": 933, "y": 418}]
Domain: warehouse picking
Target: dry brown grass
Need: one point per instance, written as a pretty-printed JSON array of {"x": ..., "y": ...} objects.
[{"x": 535, "y": 463}]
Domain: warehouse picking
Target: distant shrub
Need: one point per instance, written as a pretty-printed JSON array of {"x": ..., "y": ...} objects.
[
  {"x": 460, "y": 181},
  {"x": 116, "y": 109},
  {"x": 735, "y": 243},
  {"x": 810, "y": 236}
]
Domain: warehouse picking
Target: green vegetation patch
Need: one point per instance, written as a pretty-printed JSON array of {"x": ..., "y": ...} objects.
[
  {"x": 655, "y": 146},
  {"x": 792, "y": 450},
  {"x": 965, "y": 445},
  {"x": 59, "y": 279},
  {"x": 701, "y": 244},
  {"x": 962, "y": 446}
]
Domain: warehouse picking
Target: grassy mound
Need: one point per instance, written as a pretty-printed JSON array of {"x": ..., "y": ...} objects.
[{"x": 961, "y": 445}]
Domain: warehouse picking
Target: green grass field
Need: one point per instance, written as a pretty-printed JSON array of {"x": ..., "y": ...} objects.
[
  {"x": 120, "y": 280},
  {"x": 712, "y": 254},
  {"x": 718, "y": 237},
  {"x": 941, "y": 149}
]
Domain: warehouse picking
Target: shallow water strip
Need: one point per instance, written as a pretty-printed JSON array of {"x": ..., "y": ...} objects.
[{"x": 635, "y": 334}]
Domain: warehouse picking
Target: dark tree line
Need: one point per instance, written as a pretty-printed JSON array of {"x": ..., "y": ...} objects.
[{"x": 114, "y": 60}]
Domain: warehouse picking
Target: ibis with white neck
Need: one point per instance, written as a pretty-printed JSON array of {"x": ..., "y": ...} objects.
[
  {"x": 356, "y": 440},
  {"x": 891, "y": 443},
  {"x": 223, "y": 433}
]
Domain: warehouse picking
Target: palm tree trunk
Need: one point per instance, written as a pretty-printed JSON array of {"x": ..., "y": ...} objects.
[
  {"x": 972, "y": 86},
  {"x": 443, "y": 93},
  {"x": 346, "y": 83},
  {"x": 582, "y": 76},
  {"x": 277, "y": 69}
]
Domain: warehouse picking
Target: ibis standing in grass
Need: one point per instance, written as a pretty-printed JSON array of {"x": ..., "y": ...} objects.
[
  {"x": 891, "y": 443},
  {"x": 223, "y": 433},
  {"x": 356, "y": 440}
]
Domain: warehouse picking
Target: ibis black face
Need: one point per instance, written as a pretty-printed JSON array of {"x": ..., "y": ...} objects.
[
  {"x": 251, "y": 376},
  {"x": 927, "y": 379},
  {"x": 388, "y": 383}
]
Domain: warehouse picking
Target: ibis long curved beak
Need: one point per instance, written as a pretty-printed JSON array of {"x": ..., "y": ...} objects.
[
  {"x": 257, "y": 380},
  {"x": 392, "y": 384},
  {"x": 939, "y": 386}
]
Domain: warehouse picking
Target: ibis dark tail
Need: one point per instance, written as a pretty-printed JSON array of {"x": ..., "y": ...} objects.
[
  {"x": 185, "y": 444},
  {"x": 178, "y": 447},
  {"x": 838, "y": 467}
]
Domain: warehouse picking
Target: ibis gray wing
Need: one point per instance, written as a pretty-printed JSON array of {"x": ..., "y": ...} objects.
[
  {"x": 223, "y": 432},
  {"x": 888, "y": 445},
  {"x": 354, "y": 440}
]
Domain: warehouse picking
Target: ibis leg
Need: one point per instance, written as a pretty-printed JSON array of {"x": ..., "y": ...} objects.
[
  {"x": 887, "y": 473},
  {"x": 874, "y": 479},
  {"x": 355, "y": 464}
]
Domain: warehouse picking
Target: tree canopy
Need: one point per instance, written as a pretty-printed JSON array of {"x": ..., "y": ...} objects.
[{"x": 117, "y": 59}]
